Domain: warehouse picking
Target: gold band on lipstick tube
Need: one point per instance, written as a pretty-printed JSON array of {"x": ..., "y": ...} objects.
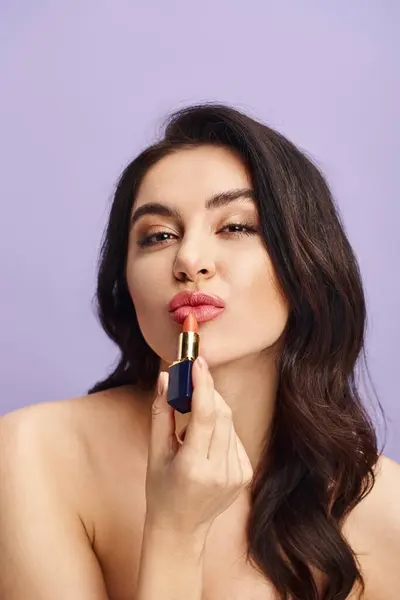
[{"x": 189, "y": 345}]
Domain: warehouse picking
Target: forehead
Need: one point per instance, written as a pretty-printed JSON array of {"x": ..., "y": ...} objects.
[{"x": 192, "y": 175}]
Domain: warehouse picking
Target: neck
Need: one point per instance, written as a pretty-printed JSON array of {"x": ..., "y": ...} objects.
[{"x": 249, "y": 386}]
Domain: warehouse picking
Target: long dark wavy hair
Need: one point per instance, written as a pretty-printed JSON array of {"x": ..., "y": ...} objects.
[{"x": 319, "y": 462}]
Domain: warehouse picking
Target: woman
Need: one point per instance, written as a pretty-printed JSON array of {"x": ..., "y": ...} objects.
[{"x": 277, "y": 490}]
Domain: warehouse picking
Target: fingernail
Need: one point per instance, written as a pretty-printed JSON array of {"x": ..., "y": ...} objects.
[
  {"x": 161, "y": 384},
  {"x": 181, "y": 435},
  {"x": 202, "y": 363}
]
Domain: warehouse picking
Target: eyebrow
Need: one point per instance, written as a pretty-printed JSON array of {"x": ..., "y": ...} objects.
[{"x": 221, "y": 199}]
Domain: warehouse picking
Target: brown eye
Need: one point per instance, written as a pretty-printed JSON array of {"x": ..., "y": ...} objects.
[
  {"x": 240, "y": 229},
  {"x": 154, "y": 238}
]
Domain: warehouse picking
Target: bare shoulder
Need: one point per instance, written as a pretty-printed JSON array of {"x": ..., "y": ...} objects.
[
  {"x": 373, "y": 531},
  {"x": 34, "y": 429},
  {"x": 77, "y": 425},
  {"x": 45, "y": 538},
  {"x": 80, "y": 420},
  {"x": 79, "y": 440},
  {"x": 46, "y": 438},
  {"x": 386, "y": 492},
  {"x": 57, "y": 462},
  {"x": 380, "y": 507}
]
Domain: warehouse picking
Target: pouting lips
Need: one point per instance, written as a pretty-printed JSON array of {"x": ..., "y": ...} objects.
[
  {"x": 188, "y": 298},
  {"x": 203, "y": 313}
]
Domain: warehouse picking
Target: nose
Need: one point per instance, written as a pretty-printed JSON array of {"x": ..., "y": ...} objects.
[{"x": 192, "y": 264}]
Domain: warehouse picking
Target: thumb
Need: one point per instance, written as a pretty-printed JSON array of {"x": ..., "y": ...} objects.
[{"x": 162, "y": 439}]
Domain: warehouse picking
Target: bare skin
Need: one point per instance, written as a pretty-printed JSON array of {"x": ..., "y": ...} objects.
[{"x": 73, "y": 510}]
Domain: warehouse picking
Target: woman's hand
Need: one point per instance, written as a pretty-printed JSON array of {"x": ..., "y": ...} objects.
[{"x": 189, "y": 485}]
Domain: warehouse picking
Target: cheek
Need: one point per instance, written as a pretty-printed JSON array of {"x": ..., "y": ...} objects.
[
  {"x": 145, "y": 283},
  {"x": 257, "y": 288}
]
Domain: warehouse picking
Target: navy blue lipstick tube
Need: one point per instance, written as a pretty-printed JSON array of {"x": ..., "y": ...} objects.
[{"x": 180, "y": 386}]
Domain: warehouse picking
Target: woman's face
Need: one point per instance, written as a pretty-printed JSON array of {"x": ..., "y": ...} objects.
[{"x": 211, "y": 249}]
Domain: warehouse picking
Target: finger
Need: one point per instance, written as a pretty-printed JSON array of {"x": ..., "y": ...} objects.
[
  {"x": 202, "y": 419},
  {"x": 219, "y": 446},
  {"x": 162, "y": 437}
]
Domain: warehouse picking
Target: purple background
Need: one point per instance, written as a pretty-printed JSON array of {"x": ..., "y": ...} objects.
[{"x": 85, "y": 84}]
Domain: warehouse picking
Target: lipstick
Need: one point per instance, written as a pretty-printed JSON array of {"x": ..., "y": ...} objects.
[{"x": 180, "y": 387}]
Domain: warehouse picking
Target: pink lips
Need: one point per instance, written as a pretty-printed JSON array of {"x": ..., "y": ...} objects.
[{"x": 204, "y": 306}]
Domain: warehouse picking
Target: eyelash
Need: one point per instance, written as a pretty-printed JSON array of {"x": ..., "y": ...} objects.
[{"x": 145, "y": 242}]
